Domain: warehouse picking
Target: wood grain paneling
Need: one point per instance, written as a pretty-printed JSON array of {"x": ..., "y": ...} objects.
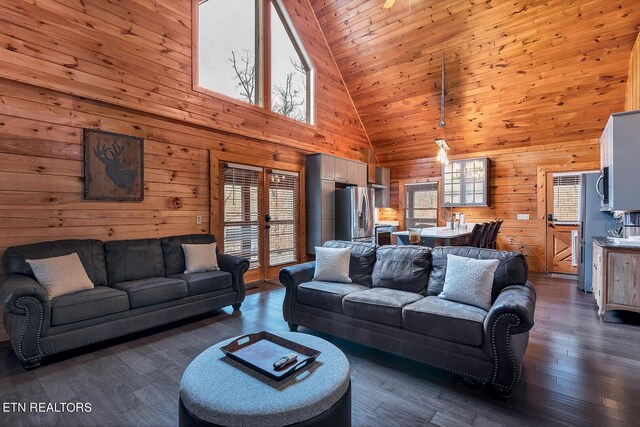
[
  {"x": 519, "y": 73},
  {"x": 513, "y": 189},
  {"x": 137, "y": 54},
  {"x": 633, "y": 85},
  {"x": 529, "y": 83}
]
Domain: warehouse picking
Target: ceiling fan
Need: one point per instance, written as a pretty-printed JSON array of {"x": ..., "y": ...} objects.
[{"x": 388, "y": 4}]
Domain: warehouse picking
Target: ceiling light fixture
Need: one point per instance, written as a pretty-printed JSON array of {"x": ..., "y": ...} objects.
[
  {"x": 388, "y": 4},
  {"x": 443, "y": 147}
]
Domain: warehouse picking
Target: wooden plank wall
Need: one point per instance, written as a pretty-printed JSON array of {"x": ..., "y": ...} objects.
[
  {"x": 137, "y": 54},
  {"x": 513, "y": 189},
  {"x": 529, "y": 83},
  {"x": 126, "y": 67},
  {"x": 633, "y": 85}
]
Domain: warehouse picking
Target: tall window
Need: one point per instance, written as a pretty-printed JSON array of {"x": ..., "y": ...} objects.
[
  {"x": 421, "y": 205},
  {"x": 566, "y": 198},
  {"x": 232, "y": 39}
]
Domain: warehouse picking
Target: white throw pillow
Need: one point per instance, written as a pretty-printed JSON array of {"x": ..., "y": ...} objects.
[
  {"x": 332, "y": 265},
  {"x": 199, "y": 258},
  {"x": 469, "y": 280},
  {"x": 61, "y": 275}
]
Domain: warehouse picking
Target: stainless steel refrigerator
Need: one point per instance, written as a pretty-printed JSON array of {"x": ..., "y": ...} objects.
[
  {"x": 354, "y": 214},
  {"x": 593, "y": 223}
]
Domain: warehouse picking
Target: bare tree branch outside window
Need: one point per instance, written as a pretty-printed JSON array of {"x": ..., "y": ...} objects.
[
  {"x": 288, "y": 99},
  {"x": 245, "y": 70}
]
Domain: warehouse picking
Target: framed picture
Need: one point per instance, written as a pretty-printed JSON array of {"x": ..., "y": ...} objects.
[{"x": 113, "y": 166}]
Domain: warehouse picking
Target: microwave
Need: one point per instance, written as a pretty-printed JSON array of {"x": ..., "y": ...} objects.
[{"x": 602, "y": 188}]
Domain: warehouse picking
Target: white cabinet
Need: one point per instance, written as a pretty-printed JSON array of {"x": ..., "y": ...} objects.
[
  {"x": 340, "y": 169},
  {"x": 465, "y": 182}
]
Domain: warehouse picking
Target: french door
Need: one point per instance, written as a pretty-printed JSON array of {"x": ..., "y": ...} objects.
[{"x": 260, "y": 217}]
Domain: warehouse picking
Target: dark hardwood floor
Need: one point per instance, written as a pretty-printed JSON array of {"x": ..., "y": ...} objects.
[{"x": 577, "y": 371}]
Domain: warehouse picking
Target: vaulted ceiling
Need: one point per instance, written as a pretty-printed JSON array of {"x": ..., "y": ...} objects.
[{"x": 518, "y": 72}]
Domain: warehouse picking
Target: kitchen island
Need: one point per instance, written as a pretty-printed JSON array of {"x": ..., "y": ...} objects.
[{"x": 438, "y": 236}]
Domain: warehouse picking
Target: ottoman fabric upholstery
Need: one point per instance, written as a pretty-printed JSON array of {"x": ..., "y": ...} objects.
[{"x": 253, "y": 400}]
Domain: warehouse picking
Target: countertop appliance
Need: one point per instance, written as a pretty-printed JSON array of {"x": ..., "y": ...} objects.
[
  {"x": 593, "y": 223},
  {"x": 631, "y": 223},
  {"x": 354, "y": 214}
]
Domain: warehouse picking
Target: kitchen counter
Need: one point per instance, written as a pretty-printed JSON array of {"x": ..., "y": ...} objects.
[
  {"x": 438, "y": 236},
  {"x": 606, "y": 242},
  {"x": 440, "y": 232}
]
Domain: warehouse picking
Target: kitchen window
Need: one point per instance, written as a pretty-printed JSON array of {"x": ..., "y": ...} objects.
[
  {"x": 421, "y": 205},
  {"x": 249, "y": 50},
  {"x": 566, "y": 198}
]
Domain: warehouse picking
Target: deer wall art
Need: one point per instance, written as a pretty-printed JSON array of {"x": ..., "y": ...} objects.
[{"x": 113, "y": 166}]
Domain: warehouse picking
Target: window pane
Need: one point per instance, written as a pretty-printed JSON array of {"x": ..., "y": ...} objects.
[
  {"x": 566, "y": 198},
  {"x": 289, "y": 73},
  {"x": 227, "y": 50}
]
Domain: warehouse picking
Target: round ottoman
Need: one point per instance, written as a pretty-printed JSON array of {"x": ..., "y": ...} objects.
[{"x": 218, "y": 391}]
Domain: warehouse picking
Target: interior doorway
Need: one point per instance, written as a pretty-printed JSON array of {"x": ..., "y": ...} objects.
[
  {"x": 562, "y": 219},
  {"x": 260, "y": 215}
]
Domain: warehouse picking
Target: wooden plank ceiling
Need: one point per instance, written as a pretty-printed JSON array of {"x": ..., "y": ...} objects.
[{"x": 519, "y": 73}]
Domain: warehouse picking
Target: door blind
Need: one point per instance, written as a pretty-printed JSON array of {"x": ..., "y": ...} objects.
[
  {"x": 283, "y": 202},
  {"x": 566, "y": 198},
  {"x": 241, "y": 214},
  {"x": 421, "y": 205}
]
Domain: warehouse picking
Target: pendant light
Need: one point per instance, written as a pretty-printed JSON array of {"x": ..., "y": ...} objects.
[{"x": 443, "y": 147}]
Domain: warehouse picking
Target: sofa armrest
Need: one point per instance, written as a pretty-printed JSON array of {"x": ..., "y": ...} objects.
[
  {"x": 27, "y": 312},
  {"x": 506, "y": 330},
  {"x": 237, "y": 266},
  {"x": 290, "y": 278}
]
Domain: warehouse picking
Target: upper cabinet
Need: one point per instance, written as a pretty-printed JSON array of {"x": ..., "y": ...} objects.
[
  {"x": 619, "y": 163},
  {"x": 465, "y": 182}
]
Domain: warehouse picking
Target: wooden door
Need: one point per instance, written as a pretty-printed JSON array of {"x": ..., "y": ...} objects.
[{"x": 562, "y": 243}]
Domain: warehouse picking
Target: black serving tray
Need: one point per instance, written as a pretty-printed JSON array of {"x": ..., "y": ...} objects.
[{"x": 258, "y": 351}]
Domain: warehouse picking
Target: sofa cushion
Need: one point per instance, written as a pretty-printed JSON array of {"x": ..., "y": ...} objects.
[
  {"x": 174, "y": 254},
  {"x": 380, "y": 305},
  {"x": 134, "y": 259},
  {"x": 363, "y": 258},
  {"x": 404, "y": 268},
  {"x": 91, "y": 253},
  {"x": 88, "y": 304},
  {"x": 154, "y": 290},
  {"x": 332, "y": 265},
  {"x": 448, "y": 320},
  {"x": 209, "y": 281},
  {"x": 469, "y": 280},
  {"x": 326, "y": 295},
  {"x": 512, "y": 267},
  {"x": 61, "y": 275}
]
